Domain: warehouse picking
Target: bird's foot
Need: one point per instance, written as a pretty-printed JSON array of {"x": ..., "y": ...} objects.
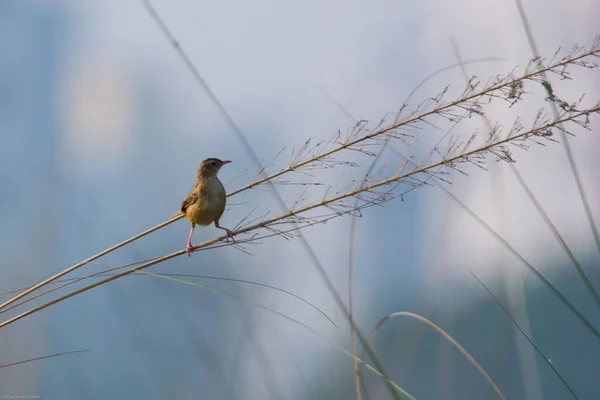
[
  {"x": 188, "y": 249},
  {"x": 230, "y": 234}
]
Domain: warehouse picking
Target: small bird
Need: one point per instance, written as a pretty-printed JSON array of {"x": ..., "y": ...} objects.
[{"x": 206, "y": 201}]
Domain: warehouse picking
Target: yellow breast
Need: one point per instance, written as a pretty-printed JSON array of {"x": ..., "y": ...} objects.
[
  {"x": 200, "y": 213},
  {"x": 210, "y": 204}
]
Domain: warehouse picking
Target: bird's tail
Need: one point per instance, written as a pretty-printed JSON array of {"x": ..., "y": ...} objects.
[{"x": 175, "y": 214}]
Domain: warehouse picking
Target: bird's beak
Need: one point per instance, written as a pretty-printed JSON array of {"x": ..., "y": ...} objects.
[{"x": 226, "y": 162}]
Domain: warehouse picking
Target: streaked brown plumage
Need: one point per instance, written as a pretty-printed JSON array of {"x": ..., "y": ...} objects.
[{"x": 206, "y": 201}]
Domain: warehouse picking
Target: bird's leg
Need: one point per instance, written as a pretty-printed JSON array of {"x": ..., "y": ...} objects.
[
  {"x": 188, "y": 248},
  {"x": 230, "y": 234}
]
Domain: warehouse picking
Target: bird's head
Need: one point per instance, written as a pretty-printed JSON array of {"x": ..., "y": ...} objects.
[{"x": 210, "y": 167}]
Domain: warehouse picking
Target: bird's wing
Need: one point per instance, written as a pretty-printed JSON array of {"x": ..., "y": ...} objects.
[
  {"x": 191, "y": 198},
  {"x": 221, "y": 197}
]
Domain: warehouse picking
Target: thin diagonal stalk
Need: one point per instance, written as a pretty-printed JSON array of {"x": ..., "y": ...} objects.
[
  {"x": 563, "y": 135},
  {"x": 515, "y": 253},
  {"x": 557, "y": 235},
  {"x": 107, "y": 272},
  {"x": 525, "y": 335},
  {"x": 68, "y": 282},
  {"x": 84, "y": 262},
  {"x": 42, "y": 358}
]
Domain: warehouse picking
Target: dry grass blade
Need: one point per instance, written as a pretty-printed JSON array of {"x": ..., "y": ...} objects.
[
  {"x": 105, "y": 273},
  {"x": 359, "y": 360},
  {"x": 42, "y": 358},
  {"x": 257, "y": 284},
  {"x": 82, "y": 263},
  {"x": 68, "y": 282},
  {"x": 355, "y": 368},
  {"x": 525, "y": 335},
  {"x": 447, "y": 337}
]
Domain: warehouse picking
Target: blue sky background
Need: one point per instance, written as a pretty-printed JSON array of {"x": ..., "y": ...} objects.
[{"x": 101, "y": 131}]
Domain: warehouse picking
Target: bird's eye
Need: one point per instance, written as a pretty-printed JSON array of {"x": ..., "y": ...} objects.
[{"x": 213, "y": 163}]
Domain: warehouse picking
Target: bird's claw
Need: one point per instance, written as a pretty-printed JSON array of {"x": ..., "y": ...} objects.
[
  {"x": 188, "y": 249},
  {"x": 230, "y": 234}
]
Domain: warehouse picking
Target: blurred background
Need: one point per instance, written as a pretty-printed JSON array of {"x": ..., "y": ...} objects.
[{"x": 101, "y": 132}]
